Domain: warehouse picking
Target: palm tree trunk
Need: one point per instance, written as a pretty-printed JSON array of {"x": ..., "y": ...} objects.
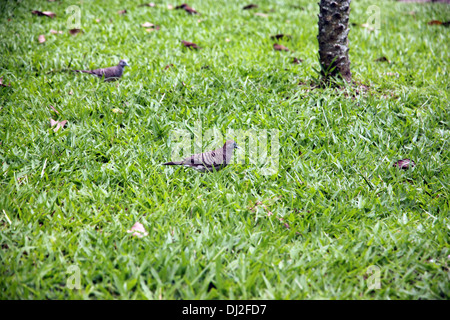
[{"x": 333, "y": 38}]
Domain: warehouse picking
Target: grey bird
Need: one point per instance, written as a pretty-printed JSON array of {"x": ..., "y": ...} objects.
[
  {"x": 110, "y": 74},
  {"x": 209, "y": 161}
]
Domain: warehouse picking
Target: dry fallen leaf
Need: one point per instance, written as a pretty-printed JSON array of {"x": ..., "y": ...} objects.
[
  {"x": 404, "y": 164},
  {"x": 186, "y": 8},
  {"x": 44, "y": 13},
  {"x": 190, "y": 45},
  {"x": 41, "y": 38},
  {"x": 367, "y": 26},
  {"x": 138, "y": 230},
  {"x": 150, "y": 27},
  {"x": 280, "y": 36},
  {"x": 297, "y": 61},
  {"x": 75, "y": 31},
  {"x": 438, "y": 22},
  {"x": 51, "y": 107},
  {"x": 59, "y": 125},
  {"x": 2, "y": 84},
  {"x": 382, "y": 59},
  {"x": 250, "y": 6},
  {"x": 147, "y": 25},
  {"x": 259, "y": 14},
  {"x": 280, "y": 47},
  {"x": 168, "y": 66},
  {"x": 151, "y": 4},
  {"x": 435, "y": 22},
  {"x": 122, "y": 11},
  {"x": 117, "y": 110}
]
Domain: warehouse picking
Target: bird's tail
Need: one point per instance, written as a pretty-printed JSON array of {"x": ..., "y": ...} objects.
[
  {"x": 83, "y": 71},
  {"x": 172, "y": 163}
]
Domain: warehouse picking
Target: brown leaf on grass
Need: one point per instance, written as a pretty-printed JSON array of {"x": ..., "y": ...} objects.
[
  {"x": 147, "y": 25},
  {"x": 2, "y": 84},
  {"x": 435, "y": 22},
  {"x": 382, "y": 59},
  {"x": 186, "y": 8},
  {"x": 168, "y": 66},
  {"x": 138, "y": 230},
  {"x": 250, "y": 6},
  {"x": 367, "y": 26},
  {"x": 404, "y": 164},
  {"x": 55, "y": 32},
  {"x": 281, "y": 36},
  {"x": 438, "y": 22},
  {"x": 41, "y": 38},
  {"x": 59, "y": 125},
  {"x": 44, "y": 13},
  {"x": 151, "y": 4},
  {"x": 364, "y": 25},
  {"x": 122, "y": 11},
  {"x": 190, "y": 45},
  {"x": 150, "y": 26},
  {"x": 280, "y": 47},
  {"x": 259, "y": 14},
  {"x": 296, "y": 60},
  {"x": 75, "y": 31}
]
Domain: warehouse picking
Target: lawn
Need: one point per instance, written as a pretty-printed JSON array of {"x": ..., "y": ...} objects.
[{"x": 336, "y": 220}]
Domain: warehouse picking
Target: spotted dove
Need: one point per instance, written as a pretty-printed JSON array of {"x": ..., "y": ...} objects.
[
  {"x": 110, "y": 74},
  {"x": 209, "y": 161}
]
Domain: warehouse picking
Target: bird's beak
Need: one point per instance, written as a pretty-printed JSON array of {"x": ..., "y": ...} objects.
[{"x": 126, "y": 63}]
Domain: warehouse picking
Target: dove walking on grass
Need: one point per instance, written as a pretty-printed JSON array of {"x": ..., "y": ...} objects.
[
  {"x": 209, "y": 161},
  {"x": 110, "y": 74}
]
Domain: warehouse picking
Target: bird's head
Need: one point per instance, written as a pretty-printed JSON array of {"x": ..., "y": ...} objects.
[
  {"x": 123, "y": 63},
  {"x": 231, "y": 144}
]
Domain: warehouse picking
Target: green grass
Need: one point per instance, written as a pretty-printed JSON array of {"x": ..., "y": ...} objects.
[{"x": 68, "y": 198}]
